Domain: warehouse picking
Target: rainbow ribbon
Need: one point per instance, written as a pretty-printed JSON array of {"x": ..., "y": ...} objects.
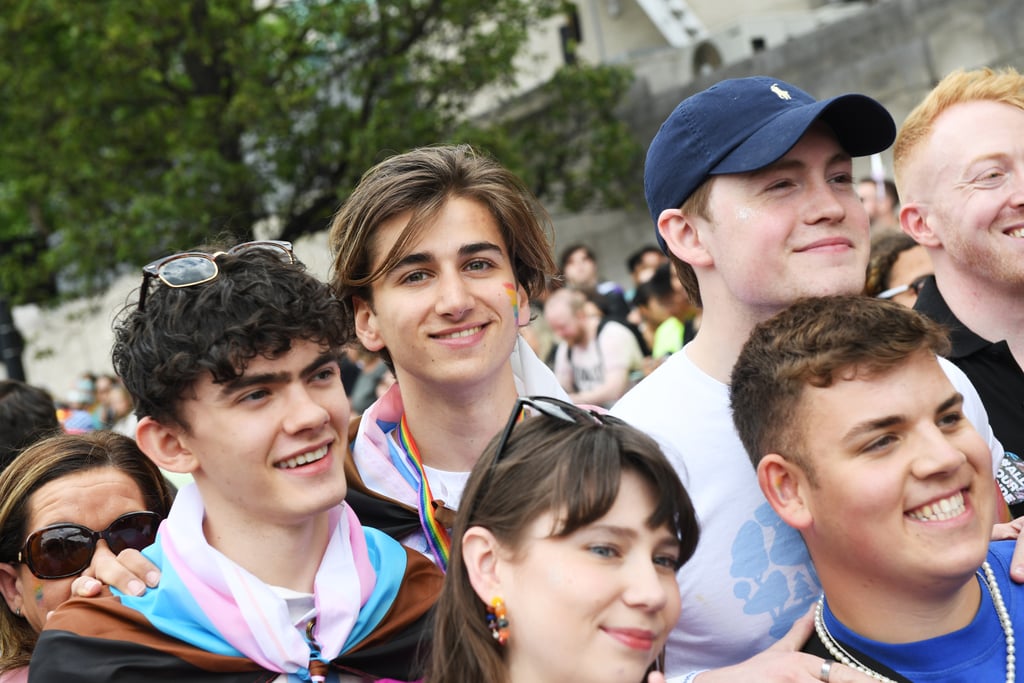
[{"x": 437, "y": 536}]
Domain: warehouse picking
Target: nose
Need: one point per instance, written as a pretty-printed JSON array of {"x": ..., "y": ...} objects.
[
  {"x": 647, "y": 586},
  {"x": 938, "y": 455},
  {"x": 453, "y": 296},
  {"x": 305, "y": 411},
  {"x": 825, "y": 205},
  {"x": 1017, "y": 185}
]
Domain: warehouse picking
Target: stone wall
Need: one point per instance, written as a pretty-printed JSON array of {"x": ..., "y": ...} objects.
[{"x": 894, "y": 51}]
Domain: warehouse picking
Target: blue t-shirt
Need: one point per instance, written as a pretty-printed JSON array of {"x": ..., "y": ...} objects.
[{"x": 973, "y": 654}]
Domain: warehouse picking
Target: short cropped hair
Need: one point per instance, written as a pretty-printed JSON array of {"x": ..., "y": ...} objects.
[
  {"x": 1005, "y": 85},
  {"x": 27, "y": 414},
  {"x": 888, "y": 185},
  {"x": 816, "y": 342},
  {"x": 637, "y": 257},
  {"x": 570, "y": 251},
  {"x": 420, "y": 182},
  {"x": 258, "y": 305}
]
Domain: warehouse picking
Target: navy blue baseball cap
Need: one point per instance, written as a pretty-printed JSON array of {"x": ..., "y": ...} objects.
[{"x": 743, "y": 124}]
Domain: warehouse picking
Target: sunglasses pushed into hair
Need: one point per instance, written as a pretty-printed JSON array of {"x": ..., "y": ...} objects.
[
  {"x": 190, "y": 268},
  {"x": 61, "y": 550},
  {"x": 915, "y": 286},
  {"x": 546, "y": 406}
]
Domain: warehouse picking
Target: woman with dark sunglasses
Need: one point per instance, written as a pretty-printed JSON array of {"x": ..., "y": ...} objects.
[
  {"x": 62, "y": 500},
  {"x": 564, "y": 554}
]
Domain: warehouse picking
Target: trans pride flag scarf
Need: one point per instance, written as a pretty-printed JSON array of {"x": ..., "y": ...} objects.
[{"x": 210, "y": 602}]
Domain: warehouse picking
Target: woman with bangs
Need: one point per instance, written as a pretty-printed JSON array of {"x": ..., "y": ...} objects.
[{"x": 565, "y": 549}]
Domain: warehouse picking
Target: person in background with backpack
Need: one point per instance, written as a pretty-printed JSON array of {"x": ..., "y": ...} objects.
[{"x": 598, "y": 358}]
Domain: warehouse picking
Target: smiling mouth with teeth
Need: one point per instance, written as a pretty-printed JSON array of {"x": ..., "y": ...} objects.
[
  {"x": 303, "y": 459},
  {"x": 464, "y": 333},
  {"x": 947, "y": 508}
]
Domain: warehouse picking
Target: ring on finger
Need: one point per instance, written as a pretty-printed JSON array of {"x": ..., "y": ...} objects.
[{"x": 826, "y": 669}]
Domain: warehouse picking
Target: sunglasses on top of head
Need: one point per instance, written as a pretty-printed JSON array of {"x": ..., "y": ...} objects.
[
  {"x": 61, "y": 550},
  {"x": 547, "y": 407},
  {"x": 190, "y": 268}
]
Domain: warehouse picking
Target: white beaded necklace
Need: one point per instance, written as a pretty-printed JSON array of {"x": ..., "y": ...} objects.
[{"x": 844, "y": 657}]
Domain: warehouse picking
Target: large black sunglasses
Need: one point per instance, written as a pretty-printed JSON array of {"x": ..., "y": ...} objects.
[
  {"x": 61, "y": 550},
  {"x": 190, "y": 268}
]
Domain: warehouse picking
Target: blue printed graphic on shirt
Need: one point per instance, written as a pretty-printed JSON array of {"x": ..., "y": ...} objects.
[{"x": 774, "y": 571}]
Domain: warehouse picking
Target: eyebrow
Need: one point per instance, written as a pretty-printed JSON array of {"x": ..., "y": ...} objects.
[
  {"x": 246, "y": 381},
  {"x": 469, "y": 249},
  {"x": 868, "y": 426},
  {"x": 632, "y": 534}
]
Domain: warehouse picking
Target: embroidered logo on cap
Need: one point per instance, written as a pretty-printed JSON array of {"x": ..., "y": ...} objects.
[{"x": 783, "y": 95}]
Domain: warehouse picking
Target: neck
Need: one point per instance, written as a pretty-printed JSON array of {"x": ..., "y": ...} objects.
[
  {"x": 452, "y": 430},
  {"x": 992, "y": 310},
  {"x": 295, "y": 551},
  {"x": 895, "y": 615},
  {"x": 718, "y": 342}
]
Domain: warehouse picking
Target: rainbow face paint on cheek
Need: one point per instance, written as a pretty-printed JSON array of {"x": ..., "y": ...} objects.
[
  {"x": 513, "y": 297},
  {"x": 37, "y": 593}
]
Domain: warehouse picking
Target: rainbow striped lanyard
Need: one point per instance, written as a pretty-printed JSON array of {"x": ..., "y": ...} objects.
[{"x": 438, "y": 538}]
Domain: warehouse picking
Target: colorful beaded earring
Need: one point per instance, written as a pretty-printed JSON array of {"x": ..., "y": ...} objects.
[{"x": 497, "y": 620}]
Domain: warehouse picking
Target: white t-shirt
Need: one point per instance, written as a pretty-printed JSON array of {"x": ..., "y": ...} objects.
[
  {"x": 613, "y": 350},
  {"x": 750, "y": 577}
]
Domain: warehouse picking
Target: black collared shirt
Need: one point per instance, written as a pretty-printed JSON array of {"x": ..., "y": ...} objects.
[{"x": 994, "y": 372}]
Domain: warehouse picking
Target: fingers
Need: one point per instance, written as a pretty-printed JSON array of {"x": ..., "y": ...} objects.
[
  {"x": 840, "y": 673},
  {"x": 85, "y": 587},
  {"x": 1005, "y": 532},
  {"x": 1017, "y": 563},
  {"x": 129, "y": 572},
  {"x": 798, "y": 633}
]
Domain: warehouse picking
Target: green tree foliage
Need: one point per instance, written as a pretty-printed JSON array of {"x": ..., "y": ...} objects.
[{"x": 134, "y": 128}]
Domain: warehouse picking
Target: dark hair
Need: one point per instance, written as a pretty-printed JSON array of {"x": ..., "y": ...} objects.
[
  {"x": 661, "y": 282},
  {"x": 257, "y": 306},
  {"x": 885, "y": 251},
  {"x": 813, "y": 342},
  {"x": 547, "y": 465},
  {"x": 420, "y": 182},
  {"x": 27, "y": 414},
  {"x": 889, "y": 185},
  {"x": 637, "y": 257},
  {"x": 46, "y": 461},
  {"x": 643, "y": 294},
  {"x": 568, "y": 252}
]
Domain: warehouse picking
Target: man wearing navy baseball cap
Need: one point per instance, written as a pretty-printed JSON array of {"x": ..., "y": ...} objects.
[{"x": 750, "y": 185}]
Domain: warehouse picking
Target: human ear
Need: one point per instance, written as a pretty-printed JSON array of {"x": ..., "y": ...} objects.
[
  {"x": 10, "y": 586},
  {"x": 914, "y": 221},
  {"x": 165, "y": 446},
  {"x": 785, "y": 486},
  {"x": 482, "y": 555},
  {"x": 366, "y": 325},
  {"x": 682, "y": 235}
]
